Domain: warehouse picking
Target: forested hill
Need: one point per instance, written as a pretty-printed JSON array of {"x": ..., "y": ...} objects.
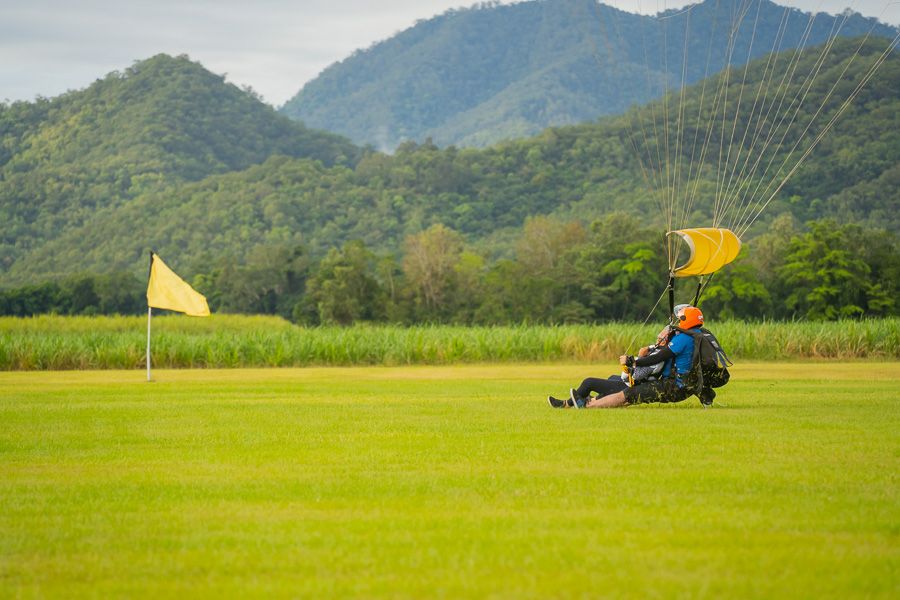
[
  {"x": 161, "y": 121},
  {"x": 578, "y": 173},
  {"x": 471, "y": 77}
]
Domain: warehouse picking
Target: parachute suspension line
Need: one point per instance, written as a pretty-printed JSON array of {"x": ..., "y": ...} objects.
[
  {"x": 668, "y": 186},
  {"x": 796, "y": 105},
  {"x": 737, "y": 112},
  {"x": 670, "y": 288},
  {"x": 717, "y": 102},
  {"x": 762, "y": 119},
  {"x": 596, "y": 54},
  {"x": 737, "y": 22},
  {"x": 737, "y": 19},
  {"x": 747, "y": 214},
  {"x": 879, "y": 61},
  {"x": 679, "y": 123},
  {"x": 657, "y": 179},
  {"x": 673, "y": 246},
  {"x": 658, "y": 190},
  {"x": 690, "y": 194},
  {"x": 650, "y": 314},
  {"x": 696, "y": 300},
  {"x": 780, "y": 96},
  {"x": 660, "y": 186},
  {"x": 647, "y": 171},
  {"x": 734, "y": 178}
]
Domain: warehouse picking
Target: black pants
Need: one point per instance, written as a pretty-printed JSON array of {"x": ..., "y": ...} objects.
[
  {"x": 601, "y": 387},
  {"x": 663, "y": 390}
]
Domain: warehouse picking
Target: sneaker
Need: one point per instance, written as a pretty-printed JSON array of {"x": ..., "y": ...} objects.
[
  {"x": 557, "y": 403},
  {"x": 707, "y": 396},
  {"x": 575, "y": 401}
]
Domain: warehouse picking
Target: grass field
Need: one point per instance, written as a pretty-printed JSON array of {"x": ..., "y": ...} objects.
[{"x": 447, "y": 482}]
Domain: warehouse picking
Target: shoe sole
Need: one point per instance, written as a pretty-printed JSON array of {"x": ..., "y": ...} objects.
[{"x": 573, "y": 400}]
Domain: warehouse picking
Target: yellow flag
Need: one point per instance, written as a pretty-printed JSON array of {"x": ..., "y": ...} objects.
[{"x": 168, "y": 290}]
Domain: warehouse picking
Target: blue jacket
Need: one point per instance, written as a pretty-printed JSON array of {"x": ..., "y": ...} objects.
[{"x": 682, "y": 346}]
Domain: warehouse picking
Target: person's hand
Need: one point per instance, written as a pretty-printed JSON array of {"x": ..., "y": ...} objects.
[
  {"x": 623, "y": 360},
  {"x": 644, "y": 351},
  {"x": 662, "y": 338}
]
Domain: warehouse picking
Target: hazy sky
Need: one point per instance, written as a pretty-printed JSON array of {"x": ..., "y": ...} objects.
[{"x": 50, "y": 46}]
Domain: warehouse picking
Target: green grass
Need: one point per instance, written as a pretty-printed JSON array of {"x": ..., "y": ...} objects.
[
  {"x": 448, "y": 482},
  {"x": 54, "y": 342}
]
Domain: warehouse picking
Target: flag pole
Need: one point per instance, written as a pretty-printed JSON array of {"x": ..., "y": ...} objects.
[{"x": 149, "y": 314}]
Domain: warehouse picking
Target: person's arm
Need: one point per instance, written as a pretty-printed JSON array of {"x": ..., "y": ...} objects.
[{"x": 659, "y": 356}]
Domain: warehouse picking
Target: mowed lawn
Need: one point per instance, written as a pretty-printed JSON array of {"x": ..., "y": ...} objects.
[{"x": 428, "y": 482}]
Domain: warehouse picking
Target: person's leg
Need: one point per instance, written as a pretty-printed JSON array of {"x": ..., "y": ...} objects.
[
  {"x": 652, "y": 391},
  {"x": 661, "y": 390},
  {"x": 601, "y": 387},
  {"x": 609, "y": 401}
]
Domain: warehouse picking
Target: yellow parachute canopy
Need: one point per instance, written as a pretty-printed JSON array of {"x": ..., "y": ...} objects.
[{"x": 711, "y": 249}]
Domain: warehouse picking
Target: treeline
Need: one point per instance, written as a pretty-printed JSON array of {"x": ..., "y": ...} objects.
[
  {"x": 83, "y": 294},
  {"x": 560, "y": 272}
]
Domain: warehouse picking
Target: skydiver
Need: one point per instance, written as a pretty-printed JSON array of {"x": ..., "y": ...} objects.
[
  {"x": 677, "y": 355},
  {"x": 617, "y": 383}
]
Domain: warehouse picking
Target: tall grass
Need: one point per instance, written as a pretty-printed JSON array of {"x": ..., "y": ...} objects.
[{"x": 53, "y": 342}]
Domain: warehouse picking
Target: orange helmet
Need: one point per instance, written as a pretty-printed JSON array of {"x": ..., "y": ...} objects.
[{"x": 690, "y": 318}]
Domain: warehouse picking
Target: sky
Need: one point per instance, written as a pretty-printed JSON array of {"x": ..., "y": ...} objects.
[{"x": 48, "y": 47}]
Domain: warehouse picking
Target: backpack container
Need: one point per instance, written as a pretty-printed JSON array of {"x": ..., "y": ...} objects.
[{"x": 709, "y": 364}]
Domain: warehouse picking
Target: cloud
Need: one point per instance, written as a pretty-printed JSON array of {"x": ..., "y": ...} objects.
[{"x": 274, "y": 46}]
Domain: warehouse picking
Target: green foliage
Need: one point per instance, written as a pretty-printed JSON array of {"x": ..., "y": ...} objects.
[
  {"x": 827, "y": 275},
  {"x": 523, "y": 232},
  {"x": 56, "y": 342},
  {"x": 582, "y": 173},
  {"x": 560, "y": 275},
  {"x": 473, "y": 77},
  {"x": 737, "y": 291},
  {"x": 115, "y": 293},
  {"x": 144, "y": 131},
  {"x": 430, "y": 264},
  {"x": 341, "y": 291},
  {"x": 271, "y": 282}
]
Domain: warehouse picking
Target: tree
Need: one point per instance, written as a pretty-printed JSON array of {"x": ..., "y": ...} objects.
[
  {"x": 736, "y": 292},
  {"x": 342, "y": 289},
  {"x": 429, "y": 265},
  {"x": 623, "y": 271},
  {"x": 827, "y": 276},
  {"x": 271, "y": 282},
  {"x": 548, "y": 285}
]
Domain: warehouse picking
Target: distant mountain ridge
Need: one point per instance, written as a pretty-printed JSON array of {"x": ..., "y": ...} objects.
[
  {"x": 163, "y": 121},
  {"x": 475, "y": 76},
  {"x": 99, "y": 210}
]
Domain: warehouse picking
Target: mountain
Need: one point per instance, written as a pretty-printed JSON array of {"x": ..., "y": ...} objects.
[
  {"x": 574, "y": 173},
  {"x": 162, "y": 121},
  {"x": 472, "y": 77}
]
